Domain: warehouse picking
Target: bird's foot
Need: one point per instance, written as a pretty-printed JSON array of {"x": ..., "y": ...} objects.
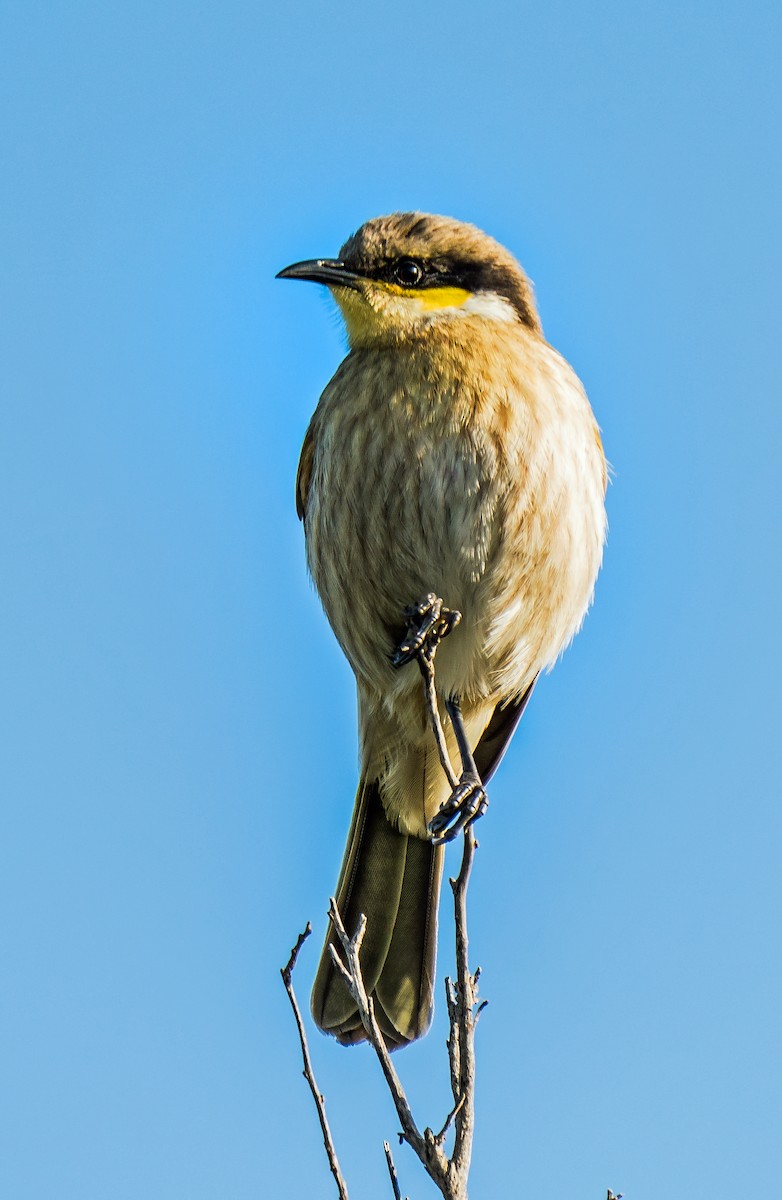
[
  {"x": 428, "y": 622},
  {"x": 467, "y": 802}
]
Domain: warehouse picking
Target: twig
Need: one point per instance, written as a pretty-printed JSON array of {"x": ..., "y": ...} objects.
[
  {"x": 462, "y": 997},
  {"x": 440, "y": 1137},
  {"x": 461, "y": 1043},
  {"x": 429, "y": 1153},
  {"x": 449, "y": 1174},
  {"x": 392, "y": 1171},
  {"x": 320, "y": 1103}
]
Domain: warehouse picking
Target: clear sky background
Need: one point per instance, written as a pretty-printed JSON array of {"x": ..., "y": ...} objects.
[{"x": 177, "y": 729}]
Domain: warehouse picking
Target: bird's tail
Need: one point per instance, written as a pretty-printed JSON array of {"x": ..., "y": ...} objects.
[{"x": 394, "y": 879}]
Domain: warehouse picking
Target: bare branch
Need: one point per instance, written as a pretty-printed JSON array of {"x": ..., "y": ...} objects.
[
  {"x": 452, "y": 1044},
  {"x": 428, "y": 625},
  {"x": 449, "y": 1174},
  {"x": 392, "y": 1171},
  {"x": 287, "y": 972},
  {"x": 440, "y": 1137},
  {"x": 425, "y": 1147},
  {"x": 463, "y": 1022}
]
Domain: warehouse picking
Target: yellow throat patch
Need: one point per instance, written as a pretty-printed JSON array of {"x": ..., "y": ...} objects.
[{"x": 391, "y": 307}]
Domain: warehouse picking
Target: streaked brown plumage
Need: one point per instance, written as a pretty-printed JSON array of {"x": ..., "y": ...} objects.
[{"x": 453, "y": 452}]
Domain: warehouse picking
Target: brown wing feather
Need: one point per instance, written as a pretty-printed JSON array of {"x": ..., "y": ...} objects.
[
  {"x": 304, "y": 473},
  {"x": 498, "y": 733}
]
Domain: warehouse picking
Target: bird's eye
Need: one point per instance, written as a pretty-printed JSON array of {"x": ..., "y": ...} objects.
[{"x": 408, "y": 272}]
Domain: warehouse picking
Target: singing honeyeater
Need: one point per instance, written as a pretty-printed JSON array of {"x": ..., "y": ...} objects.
[{"x": 454, "y": 453}]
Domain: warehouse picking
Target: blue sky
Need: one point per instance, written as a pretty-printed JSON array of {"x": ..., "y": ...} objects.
[{"x": 178, "y": 747}]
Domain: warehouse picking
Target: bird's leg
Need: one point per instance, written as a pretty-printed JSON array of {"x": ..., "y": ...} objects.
[
  {"x": 426, "y": 664},
  {"x": 468, "y": 800},
  {"x": 428, "y": 622}
]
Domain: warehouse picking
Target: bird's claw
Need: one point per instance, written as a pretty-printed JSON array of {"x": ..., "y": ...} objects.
[
  {"x": 428, "y": 622},
  {"x": 467, "y": 802}
]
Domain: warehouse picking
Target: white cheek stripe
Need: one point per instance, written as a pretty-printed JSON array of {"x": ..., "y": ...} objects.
[{"x": 488, "y": 304}]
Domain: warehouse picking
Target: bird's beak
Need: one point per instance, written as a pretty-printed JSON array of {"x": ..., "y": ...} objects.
[{"x": 330, "y": 271}]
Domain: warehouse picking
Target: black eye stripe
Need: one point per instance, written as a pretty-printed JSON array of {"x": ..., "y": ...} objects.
[
  {"x": 470, "y": 275},
  {"x": 414, "y": 272}
]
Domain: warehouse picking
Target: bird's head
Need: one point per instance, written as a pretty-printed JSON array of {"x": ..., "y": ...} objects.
[{"x": 399, "y": 273}]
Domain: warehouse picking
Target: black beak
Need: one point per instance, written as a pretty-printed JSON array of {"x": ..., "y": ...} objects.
[{"x": 330, "y": 271}]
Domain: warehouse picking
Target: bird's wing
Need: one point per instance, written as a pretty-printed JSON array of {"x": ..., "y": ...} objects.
[
  {"x": 498, "y": 733},
  {"x": 304, "y": 473}
]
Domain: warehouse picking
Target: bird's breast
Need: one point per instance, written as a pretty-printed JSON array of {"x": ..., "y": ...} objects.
[{"x": 465, "y": 471}]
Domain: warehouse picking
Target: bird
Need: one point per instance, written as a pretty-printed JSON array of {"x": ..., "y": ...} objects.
[{"x": 453, "y": 459}]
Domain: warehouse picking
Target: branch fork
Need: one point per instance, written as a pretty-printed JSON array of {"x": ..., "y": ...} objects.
[{"x": 429, "y": 623}]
